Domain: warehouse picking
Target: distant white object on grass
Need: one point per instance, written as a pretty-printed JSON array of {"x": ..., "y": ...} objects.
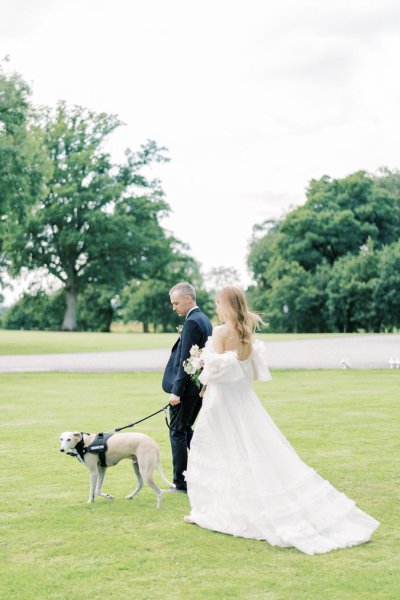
[
  {"x": 394, "y": 363},
  {"x": 346, "y": 364}
]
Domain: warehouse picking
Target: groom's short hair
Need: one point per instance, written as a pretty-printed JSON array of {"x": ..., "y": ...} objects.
[{"x": 184, "y": 289}]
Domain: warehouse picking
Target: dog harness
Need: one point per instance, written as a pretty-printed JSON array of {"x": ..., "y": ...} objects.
[{"x": 98, "y": 446}]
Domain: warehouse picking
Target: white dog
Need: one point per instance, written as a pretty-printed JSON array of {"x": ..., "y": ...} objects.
[{"x": 140, "y": 448}]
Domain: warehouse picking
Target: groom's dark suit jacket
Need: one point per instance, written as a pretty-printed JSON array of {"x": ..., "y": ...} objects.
[{"x": 196, "y": 330}]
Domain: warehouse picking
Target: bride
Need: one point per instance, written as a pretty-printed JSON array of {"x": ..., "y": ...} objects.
[{"x": 243, "y": 476}]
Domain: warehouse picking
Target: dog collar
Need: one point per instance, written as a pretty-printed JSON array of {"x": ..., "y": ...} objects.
[{"x": 79, "y": 450}]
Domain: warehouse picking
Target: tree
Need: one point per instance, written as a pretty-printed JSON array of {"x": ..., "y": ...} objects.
[
  {"x": 293, "y": 302},
  {"x": 23, "y": 164},
  {"x": 388, "y": 180},
  {"x": 350, "y": 292},
  {"x": 263, "y": 248},
  {"x": 316, "y": 269},
  {"x": 340, "y": 215},
  {"x": 39, "y": 309},
  {"x": 97, "y": 307},
  {"x": 35, "y": 310},
  {"x": 387, "y": 289},
  {"x": 148, "y": 301},
  {"x": 98, "y": 223},
  {"x": 310, "y": 237}
]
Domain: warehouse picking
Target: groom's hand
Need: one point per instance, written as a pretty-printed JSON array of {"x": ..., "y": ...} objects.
[{"x": 174, "y": 400}]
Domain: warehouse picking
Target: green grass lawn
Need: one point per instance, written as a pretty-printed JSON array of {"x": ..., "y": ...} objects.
[
  {"x": 53, "y": 342},
  {"x": 55, "y": 546}
]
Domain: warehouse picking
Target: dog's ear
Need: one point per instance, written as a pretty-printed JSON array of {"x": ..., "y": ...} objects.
[{"x": 77, "y": 434}]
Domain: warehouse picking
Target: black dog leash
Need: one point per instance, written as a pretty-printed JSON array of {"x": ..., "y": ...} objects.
[
  {"x": 163, "y": 409},
  {"x": 79, "y": 450}
]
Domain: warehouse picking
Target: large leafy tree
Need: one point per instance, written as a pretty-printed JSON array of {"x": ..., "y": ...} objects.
[
  {"x": 316, "y": 269},
  {"x": 22, "y": 159},
  {"x": 98, "y": 222},
  {"x": 340, "y": 215}
]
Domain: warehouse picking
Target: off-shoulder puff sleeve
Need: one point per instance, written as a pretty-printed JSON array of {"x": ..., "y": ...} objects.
[
  {"x": 219, "y": 367},
  {"x": 259, "y": 358}
]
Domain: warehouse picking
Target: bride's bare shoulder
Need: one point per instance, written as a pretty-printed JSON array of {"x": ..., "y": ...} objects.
[
  {"x": 220, "y": 331},
  {"x": 219, "y": 336}
]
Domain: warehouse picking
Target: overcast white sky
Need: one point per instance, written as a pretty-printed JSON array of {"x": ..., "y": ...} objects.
[{"x": 253, "y": 98}]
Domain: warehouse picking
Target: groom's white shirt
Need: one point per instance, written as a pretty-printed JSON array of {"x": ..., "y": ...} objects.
[{"x": 191, "y": 310}]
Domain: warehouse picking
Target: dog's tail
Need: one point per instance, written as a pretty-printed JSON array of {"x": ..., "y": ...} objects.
[{"x": 160, "y": 470}]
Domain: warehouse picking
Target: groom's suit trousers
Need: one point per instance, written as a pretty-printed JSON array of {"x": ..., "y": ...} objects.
[{"x": 182, "y": 416}]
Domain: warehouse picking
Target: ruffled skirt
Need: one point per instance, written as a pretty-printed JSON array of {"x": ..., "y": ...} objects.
[{"x": 245, "y": 479}]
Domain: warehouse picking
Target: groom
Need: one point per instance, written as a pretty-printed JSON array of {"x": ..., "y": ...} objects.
[{"x": 185, "y": 401}]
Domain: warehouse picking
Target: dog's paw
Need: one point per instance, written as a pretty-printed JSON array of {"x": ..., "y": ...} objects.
[{"x": 104, "y": 495}]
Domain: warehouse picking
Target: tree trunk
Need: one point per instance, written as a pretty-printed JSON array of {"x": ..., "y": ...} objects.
[
  {"x": 145, "y": 327},
  {"x": 70, "y": 317},
  {"x": 108, "y": 318}
]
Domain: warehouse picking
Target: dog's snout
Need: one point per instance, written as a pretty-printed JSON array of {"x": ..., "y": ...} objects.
[{"x": 61, "y": 449}]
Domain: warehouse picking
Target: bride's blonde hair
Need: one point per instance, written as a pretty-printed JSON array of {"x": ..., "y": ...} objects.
[{"x": 236, "y": 311}]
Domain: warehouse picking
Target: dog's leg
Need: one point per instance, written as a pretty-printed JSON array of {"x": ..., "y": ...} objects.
[
  {"x": 146, "y": 468},
  {"x": 102, "y": 474},
  {"x": 163, "y": 477},
  {"x": 94, "y": 475},
  {"x": 139, "y": 481},
  {"x": 160, "y": 470}
]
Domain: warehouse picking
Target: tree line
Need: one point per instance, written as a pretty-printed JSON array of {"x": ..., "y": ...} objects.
[
  {"x": 68, "y": 210},
  {"x": 332, "y": 264}
]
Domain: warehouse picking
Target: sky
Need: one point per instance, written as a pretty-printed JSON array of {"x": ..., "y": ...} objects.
[{"x": 252, "y": 98}]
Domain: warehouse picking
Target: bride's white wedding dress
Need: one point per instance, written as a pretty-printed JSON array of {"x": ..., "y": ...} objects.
[{"x": 243, "y": 476}]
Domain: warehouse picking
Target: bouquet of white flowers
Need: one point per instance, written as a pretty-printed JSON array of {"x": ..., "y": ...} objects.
[{"x": 193, "y": 366}]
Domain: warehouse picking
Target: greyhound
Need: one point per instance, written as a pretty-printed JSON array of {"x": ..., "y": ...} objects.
[{"x": 140, "y": 448}]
